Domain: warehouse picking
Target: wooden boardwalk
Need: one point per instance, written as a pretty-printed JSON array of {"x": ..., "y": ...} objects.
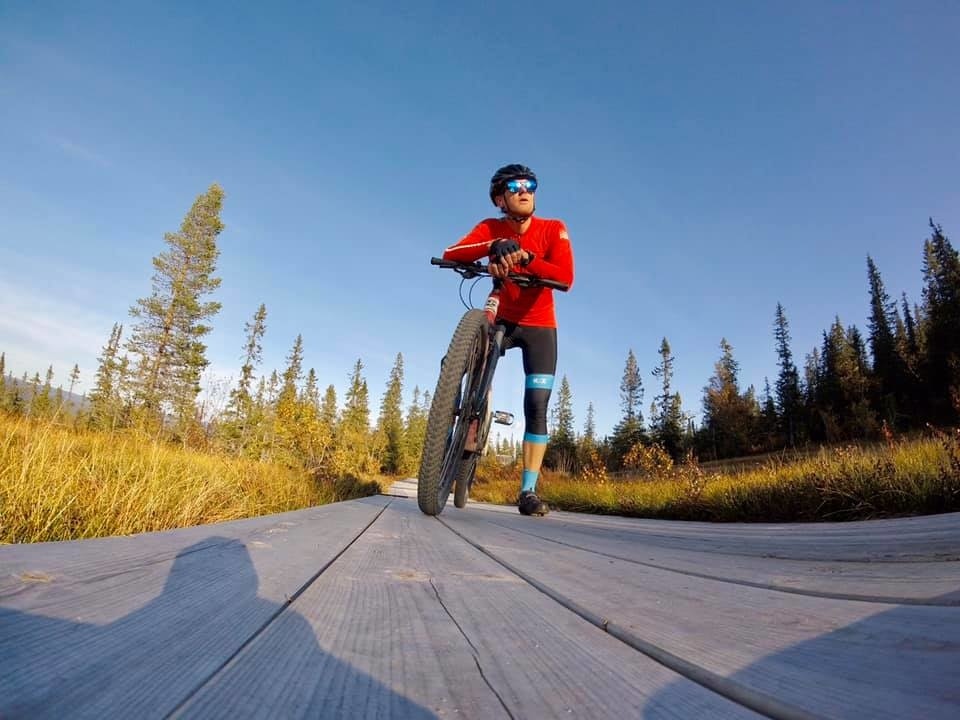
[{"x": 370, "y": 609}]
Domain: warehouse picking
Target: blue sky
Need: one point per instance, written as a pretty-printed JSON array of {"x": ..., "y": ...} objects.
[{"x": 709, "y": 159}]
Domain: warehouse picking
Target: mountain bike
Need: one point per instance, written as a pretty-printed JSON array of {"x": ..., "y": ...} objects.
[{"x": 461, "y": 415}]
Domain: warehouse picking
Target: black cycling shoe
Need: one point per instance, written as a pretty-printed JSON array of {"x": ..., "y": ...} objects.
[{"x": 530, "y": 504}]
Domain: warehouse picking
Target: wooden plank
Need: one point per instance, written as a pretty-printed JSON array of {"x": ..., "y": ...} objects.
[
  {"x": 828, "y": 657},
  {"x": 904, "y": 582},
  {"x": 413, "y": 622},
  {"x": 913, "y": 539},
  {"x": 128, "y": 627}
]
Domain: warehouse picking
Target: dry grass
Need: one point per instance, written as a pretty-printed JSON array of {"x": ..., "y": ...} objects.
[
  {"x": 845, "y": 483},
  {"x": 57, "y": 483}
]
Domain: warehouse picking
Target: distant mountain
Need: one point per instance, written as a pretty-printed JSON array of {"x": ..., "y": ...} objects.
[{"x": 72, "y": 401}]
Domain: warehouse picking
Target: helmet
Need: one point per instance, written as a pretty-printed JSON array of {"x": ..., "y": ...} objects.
[{"x": 498, "y": 183}]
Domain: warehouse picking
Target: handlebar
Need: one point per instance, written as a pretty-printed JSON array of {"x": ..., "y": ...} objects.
[{"x": 468, "y": 271}]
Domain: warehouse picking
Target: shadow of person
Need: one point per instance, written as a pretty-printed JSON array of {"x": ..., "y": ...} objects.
[
  {"x": 150, "y": 660},
  {"x": 901, "y": 662}
]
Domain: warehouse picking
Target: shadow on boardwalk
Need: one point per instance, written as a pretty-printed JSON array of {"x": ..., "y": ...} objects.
[
  {"x": 899, "y": 663},
  {"x": 146, "y": 663}
]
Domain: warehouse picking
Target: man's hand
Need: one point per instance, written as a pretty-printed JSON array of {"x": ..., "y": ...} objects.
[{"x": 506, "y": 254}]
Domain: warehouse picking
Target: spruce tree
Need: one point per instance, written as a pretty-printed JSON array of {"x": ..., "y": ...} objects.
[
  {"x": 788, "y": 381},
  {"x": 889, "y": 368},
  {"x": 561, "y": 453},
  {"x": 390, "y": 421},
  {"x": 104, "y": 395},
  {"x": 629, "y": 431},
  {"x": 667, "y": 422},
  {"x": 167, "y": 339},
  {"x": 238, "y": 426},
  {"x": 941, "y": 327},
  {"x": 729, "y": 417}
]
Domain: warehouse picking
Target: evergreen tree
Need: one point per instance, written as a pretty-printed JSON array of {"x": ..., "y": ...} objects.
[
  {"x": 729, "y": 417},
  {"x": 629, "y": 431},
  {"x": 941, "y": 327},
  {"x": 328, "y": 408},
  {"x": 104, "y": 396},
  {"x": 353, "y": 454},
  {"x": 842, "y": 405},
  {"x": 561, "y": 453},
  {"x": 889, "y": 369},
  {"x": 289, "y": 427},
  {"x": 238, "y": 427},
  {"x": 41, "y": 404},
  {"x": 667, "y": 416},
  {"x": 390, "y": 421},
  {"x": 74, "y": 378},
  {"x": 414, "y": 433},
  {"x": 171, "y": 323},
  {"x": 788, "y": 381},
  {"x": 768, "y": 416},
  {"x": 590, "y": 426}
]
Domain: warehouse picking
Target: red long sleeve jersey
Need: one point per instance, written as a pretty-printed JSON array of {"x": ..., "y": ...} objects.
[{"x": 553, "y": 260}]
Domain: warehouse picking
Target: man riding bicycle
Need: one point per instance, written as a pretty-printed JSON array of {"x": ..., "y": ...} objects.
[{"x": 518, "y": 242}]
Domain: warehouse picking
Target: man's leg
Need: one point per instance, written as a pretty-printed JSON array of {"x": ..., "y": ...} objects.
[{"x": 540, "y": 362}]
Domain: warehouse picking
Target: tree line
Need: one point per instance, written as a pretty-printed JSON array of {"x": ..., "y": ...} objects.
[{"x": 903, "y": 375}]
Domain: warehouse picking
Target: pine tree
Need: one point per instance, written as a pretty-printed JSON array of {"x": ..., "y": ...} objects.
[
  {"x": 788, "y": 381},
  {"x": 238, "y": 427},
  {"x": 889, "y": 368},
  {"x": 390, "y": 421},
  {"x": 768, "y": 416},
  {"x": 590, "y": 426},
  {"x": 667, "y": 416},
  {"x": 168, "y": 337},
  {"x": 74, "y": 381},
  {"x": 288, "y": 426},
  {"x": 328, "y": 408},
  {"x": 629, "y": 431},
  {"x": 842, "y": 402},
  {"x": 104, "y": 396},
  {"x": 414, "y": 432},
  {"x": 941, "y": 327},
  {"x": 353, "y": 454},
  {"x": 561, "y": 453},
  {"x": 729, "y": 417}
]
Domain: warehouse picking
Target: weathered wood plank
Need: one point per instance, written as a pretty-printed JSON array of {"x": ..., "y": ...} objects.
[
  {"x": 829, "y": 657},
  {"x": 914, "y": 539},
  {"x": 413, "y": 622},
  {"x": 907, "y": 582},
  {"x": 127, "y": 627}
]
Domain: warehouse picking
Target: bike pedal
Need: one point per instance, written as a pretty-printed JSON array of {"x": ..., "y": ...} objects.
[{"x": 501, "y": 417}]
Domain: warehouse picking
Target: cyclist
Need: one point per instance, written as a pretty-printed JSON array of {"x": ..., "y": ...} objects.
[{"x": 519, "y": 242}]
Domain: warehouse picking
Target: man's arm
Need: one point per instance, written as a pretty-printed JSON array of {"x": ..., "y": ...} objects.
[
  {"x": 473, "y": 246},
  {"x": 557, "y": 263}
]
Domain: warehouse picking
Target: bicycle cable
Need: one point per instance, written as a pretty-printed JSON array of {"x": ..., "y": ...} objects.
[{"x": 468, "y": 306}]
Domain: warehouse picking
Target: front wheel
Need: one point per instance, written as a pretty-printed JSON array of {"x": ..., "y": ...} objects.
[{"x": 449, "y": 418}]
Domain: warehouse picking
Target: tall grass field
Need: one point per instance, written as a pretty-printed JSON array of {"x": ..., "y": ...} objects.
[
  {"x": 920, "y": 476},
  {"x": 58, "y": 483}
]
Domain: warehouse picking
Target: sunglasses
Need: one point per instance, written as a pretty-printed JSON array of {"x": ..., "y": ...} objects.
[{"x": 527, "y": 184}]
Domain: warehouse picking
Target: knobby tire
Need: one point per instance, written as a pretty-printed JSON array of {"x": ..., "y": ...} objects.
[{"x": 443, "y": 447}]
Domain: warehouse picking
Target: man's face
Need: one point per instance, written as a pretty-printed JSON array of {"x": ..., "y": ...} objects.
[{"x": 518, "y": 199}]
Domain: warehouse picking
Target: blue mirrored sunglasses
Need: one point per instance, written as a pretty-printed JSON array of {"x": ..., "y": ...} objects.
[{"x": 527, "y": 184}]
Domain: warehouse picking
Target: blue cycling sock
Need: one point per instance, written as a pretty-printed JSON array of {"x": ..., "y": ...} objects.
[{"x": 529, "y": 480}]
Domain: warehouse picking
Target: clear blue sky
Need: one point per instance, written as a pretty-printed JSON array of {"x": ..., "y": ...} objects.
[{"x": 710, "y": 159}]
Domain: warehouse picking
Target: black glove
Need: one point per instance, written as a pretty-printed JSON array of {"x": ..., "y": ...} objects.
[{"x": 503, "y": 247}]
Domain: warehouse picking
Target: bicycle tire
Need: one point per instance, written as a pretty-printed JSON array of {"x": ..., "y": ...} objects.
[
  {"x": 445, "y": 438},
  {"x": 461, "y": 487}
]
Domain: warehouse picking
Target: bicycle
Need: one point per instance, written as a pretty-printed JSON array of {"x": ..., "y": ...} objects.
[{"x": 460, "y": 416}]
